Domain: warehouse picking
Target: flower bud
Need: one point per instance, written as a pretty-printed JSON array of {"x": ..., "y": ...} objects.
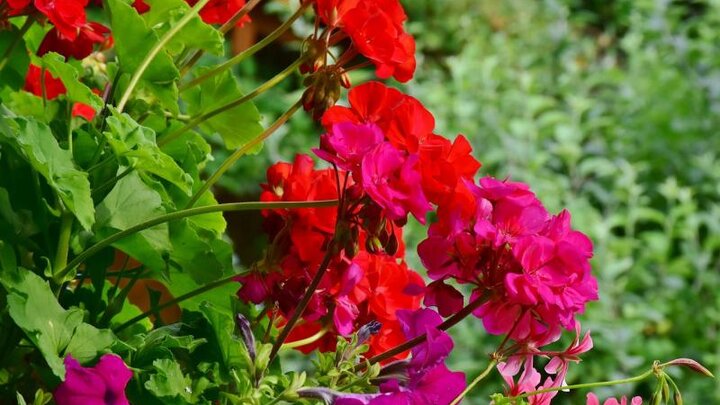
[
  {"x": 691, "y": 364},
  {"x": 369, "y": 329},
  {"x": 246, "y": 334},
  {"x": 677, "y": 398}
]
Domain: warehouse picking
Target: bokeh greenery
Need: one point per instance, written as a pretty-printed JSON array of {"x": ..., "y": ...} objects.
[{"x": 608, "y": 108}]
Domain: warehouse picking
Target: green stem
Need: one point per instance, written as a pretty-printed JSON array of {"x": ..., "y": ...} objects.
[
  {"x": 5, "y": 58},
  {"x": 195, "y": 121},
  {"x": 224, "y": 30},
  {"x": 589, "y": 385},
  {"x": 302, "y": 342},
  {"x": 191, "y": 294},
  {"x": 300, "y": 309},
  {"x": 173, "y": 216},
  {"x": 474, "y": 382},
  {"x": 248, "y": 52},
  {"x": 63, "y": 247},
  {"x": 156, "y": 49},
  {"x": 225, "y": 166}
]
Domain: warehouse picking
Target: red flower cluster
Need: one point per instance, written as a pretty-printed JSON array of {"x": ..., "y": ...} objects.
[
  {"x": 532, "y": 268},
  {"x": 356, "y": 290},
  {"x": 68, "y": 16},
  {"x": 215, "y": 12},
  {"x": 386, "y": 140},
  {"x": 376, "y": 30}
]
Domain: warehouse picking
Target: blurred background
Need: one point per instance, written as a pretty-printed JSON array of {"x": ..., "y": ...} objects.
[{"x": 610, "y": 108}]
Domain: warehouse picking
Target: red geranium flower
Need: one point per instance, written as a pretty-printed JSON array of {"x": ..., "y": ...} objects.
[{"x": 89, "y": 35}]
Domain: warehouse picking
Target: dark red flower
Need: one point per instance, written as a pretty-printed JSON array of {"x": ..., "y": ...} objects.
[{"x": 89, "y": 35}]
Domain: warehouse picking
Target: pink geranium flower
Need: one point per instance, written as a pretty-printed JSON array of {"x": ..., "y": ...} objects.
[{"x": 592, "y": 399}]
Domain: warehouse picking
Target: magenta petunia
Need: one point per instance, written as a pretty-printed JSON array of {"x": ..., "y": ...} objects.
[{"x": 102, "y": 384}]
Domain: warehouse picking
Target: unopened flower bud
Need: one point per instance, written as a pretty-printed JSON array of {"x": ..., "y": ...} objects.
[
  {"x": 369, "y": 329},
  {"x": 392, "y": 246},
  {"x": 246, "y": 333},
  {"x": 677, "y": 398},
  {"x": 691, "y": 364}
]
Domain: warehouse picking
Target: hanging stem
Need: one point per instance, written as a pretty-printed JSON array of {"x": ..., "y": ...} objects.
[
  {"x": 5, "y": 58},
  {"x": 248, "y": 52},
  {"x": 195, "y": 121},
  {"x": 225, "y": 166},
  {"x": 173, "y": 216},
  {"x": 224, "y": 30},
  {"x": 474, "y": 382},
  {"x": 300, "y": 309},
  {"x": 590, "y": 385},
  {"x": 449, "y": 323},
  {"x": 156, "y": 49},
  {"x": 184, "y": 297}
]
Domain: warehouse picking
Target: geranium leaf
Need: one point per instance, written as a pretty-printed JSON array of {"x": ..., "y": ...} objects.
[
  {"x": 133, "y": 41},
  {"x": 238, "y": 125},
  {"x": 53, "y": 330},
  {"x": 137, "y": 144},
  {"x": 196, "y": 34},
  {"x": 129, "y": 203},
  {"x": 36, "y": 143},
  {"x": 76, "y": 91}
]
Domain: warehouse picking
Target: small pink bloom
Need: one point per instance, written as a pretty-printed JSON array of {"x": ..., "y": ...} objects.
[
  {"x": 592, "y": 399},
  {"x": 392, "y": 179}
]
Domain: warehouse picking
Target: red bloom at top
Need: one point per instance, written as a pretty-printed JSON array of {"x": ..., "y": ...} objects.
[
  {"x": 68, "y": 16},
  {"x": 375, "y": 28},
  {"x": 220, "y": 11}
]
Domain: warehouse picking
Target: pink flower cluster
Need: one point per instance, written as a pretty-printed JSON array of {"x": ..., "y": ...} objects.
[{"x": 531, "y": 268}]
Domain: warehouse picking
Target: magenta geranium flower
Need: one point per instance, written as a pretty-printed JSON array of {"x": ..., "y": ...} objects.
[
  {"x": 103, "y": 384},
  {"x": 592, "y": 399}
]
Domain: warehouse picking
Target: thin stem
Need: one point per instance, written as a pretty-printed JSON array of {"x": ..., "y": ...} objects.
[
  {"x": 63, "y": 246},
  {"x": 224, "y": 30},
  {"x": 156, "y": 49},
  {"x": 588, "y": 385},
  {"x": 248, "y": 52},
  {"x": 308, "y": 340},
  {"x": 474, "y": 382},
  {"x": 5, "y": 58},
  {"x": 195, "y": 121},
  {"x": 300, "y": 309},
  {"x": 191, "y": 294},
  {"x": 225, "y": 166},
  {"x": 173, "y": 216}
]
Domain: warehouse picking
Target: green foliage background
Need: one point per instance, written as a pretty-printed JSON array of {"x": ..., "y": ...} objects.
[{"x": 610, "y": 109}]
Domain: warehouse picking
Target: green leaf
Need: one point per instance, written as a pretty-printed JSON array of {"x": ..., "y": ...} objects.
[
  {"x": 129, "y": 203},
  {"x": 27, "y": 104},
  {"x": 232, "y": 349},
  {"x": 236, "y": 126},
  {"x": 169, "y": 381},
  {"x": 52, "y": 329},
  {"x": 133, "y": 41},
  {"x": 13, "y": 73},
  {"x": 36, "y": 143},
  {"x": 160, "y": 343},
  {"x": 137, "y": 144},
  {"x": 76, "y": 91},
  {"x": 196, "y": 34}
]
